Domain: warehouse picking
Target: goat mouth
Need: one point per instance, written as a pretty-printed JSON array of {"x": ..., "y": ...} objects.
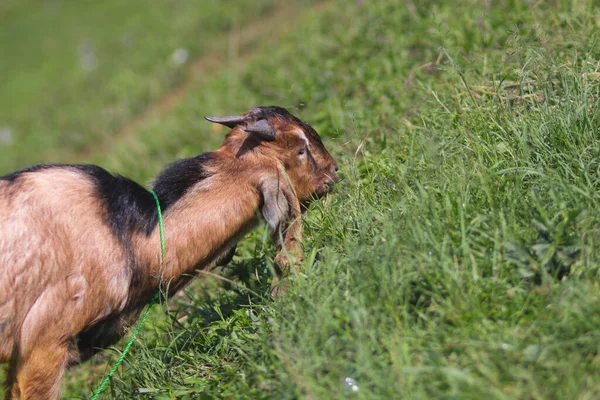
[
  {"x": 329, "y": 186},
  {"x": 320, "y": 192},
  {"x": 325, "y": 189}
]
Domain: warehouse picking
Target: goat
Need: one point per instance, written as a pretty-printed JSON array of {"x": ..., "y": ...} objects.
[{"x": 80, "y": 253}]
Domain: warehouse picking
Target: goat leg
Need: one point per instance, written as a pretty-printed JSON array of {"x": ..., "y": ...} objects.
[
  {"x": 38, "y": 374},
  {"x": 226, "y": 257},
  {"x": 290, "y": 248}
]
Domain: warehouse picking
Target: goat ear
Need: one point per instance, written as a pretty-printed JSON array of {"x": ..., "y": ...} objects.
[
  {"x": 263, "y": 129},
  {"x": 275, "y": 206},
  {"x": 230, "y": 121}
]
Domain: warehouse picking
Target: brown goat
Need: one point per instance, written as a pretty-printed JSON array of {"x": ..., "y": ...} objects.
[{"x": 80, "y": 253}]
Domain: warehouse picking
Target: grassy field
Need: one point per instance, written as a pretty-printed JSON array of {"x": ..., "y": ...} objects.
[{"x": 460, "y": 256}]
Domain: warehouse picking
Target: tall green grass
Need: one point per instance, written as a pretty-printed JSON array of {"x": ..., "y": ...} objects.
[{"x": 459, "y": 256}]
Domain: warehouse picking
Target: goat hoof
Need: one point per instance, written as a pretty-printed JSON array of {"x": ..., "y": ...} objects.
[
  {"x": 279, "y": 287},
  {"x": 283, "y": 262}
]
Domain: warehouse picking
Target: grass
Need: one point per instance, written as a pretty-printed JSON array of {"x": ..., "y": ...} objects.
[{"x": 459, "y": 257}]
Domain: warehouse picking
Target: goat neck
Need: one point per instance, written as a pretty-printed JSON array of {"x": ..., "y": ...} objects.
[{"x": 204, "y": 223}]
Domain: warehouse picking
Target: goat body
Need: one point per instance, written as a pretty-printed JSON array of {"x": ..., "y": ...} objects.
[{"x": 79, "y": 247}]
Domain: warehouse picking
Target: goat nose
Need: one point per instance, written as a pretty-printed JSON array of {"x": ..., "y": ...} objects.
[{"x": 334, "y": 173}]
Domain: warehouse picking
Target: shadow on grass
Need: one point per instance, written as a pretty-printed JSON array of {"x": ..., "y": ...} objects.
[{"x": 232, "y": 301}]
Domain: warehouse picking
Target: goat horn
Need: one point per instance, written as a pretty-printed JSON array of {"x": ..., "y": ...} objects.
[
  {"x": 230, "y": 121},
  {"x": 263, "y": 129}
]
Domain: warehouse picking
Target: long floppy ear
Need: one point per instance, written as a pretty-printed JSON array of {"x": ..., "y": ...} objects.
[
  {"x": 230, "y": 121},
  {"x": 263, "y": 129}
]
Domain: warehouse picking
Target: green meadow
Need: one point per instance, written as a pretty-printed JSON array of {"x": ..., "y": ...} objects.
[{"x": 458, "y": 258}]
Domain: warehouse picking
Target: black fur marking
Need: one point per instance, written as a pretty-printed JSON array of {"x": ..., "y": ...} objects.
[
  {"x": 174, "y": 182},
  {"x": 130, "y": 207},
  {"x": 12, "y": 177}
]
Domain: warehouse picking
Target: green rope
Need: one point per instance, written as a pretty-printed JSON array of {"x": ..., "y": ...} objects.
[
  {"x": 160, "y": 227},
  {"x": 152, "y": 302}
]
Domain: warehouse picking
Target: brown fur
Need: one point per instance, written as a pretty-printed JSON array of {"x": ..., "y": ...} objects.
[{"x": 65, "y": 288}]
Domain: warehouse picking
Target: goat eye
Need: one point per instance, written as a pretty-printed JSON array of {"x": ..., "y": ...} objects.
[{"x": 301, "y": 152}]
